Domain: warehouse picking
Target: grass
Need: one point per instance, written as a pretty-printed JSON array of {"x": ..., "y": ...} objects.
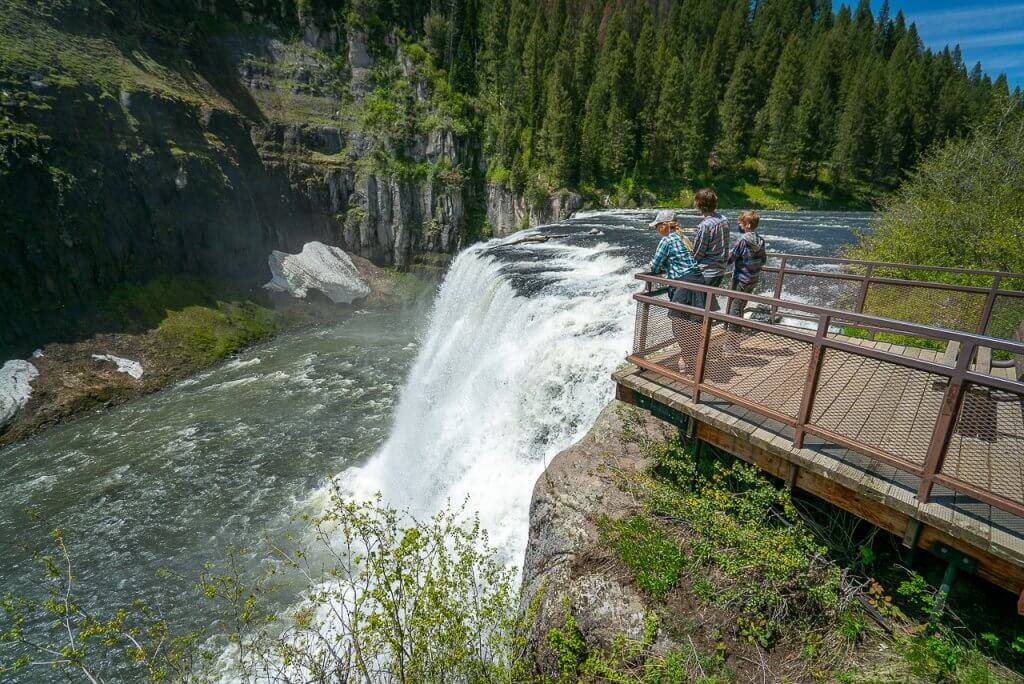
[
  {"x": 784, "y": 578},
  {"x": 893, "y": 338},
  {"x": 750, "y": 188},
  {"x": 201, "y": 335},
  {"x": 647, "y": 550},
  {"x": 195, "y": 320}
]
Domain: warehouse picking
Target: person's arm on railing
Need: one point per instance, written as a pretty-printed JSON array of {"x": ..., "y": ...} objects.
[{"x": 660, "y": 255}]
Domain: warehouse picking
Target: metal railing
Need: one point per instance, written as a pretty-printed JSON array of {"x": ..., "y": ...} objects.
[
  {"x": 948, "y": 418},
  {"x": 909, "y": 292}
]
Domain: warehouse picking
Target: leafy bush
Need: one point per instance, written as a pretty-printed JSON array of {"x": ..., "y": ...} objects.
[
  {"x": 746, "y": 546},
  {"x": 384, "y": 598},
  {"x": 962, "y": 207}
]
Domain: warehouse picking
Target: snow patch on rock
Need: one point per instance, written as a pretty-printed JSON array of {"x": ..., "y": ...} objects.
[
  {"x": 132, "y": 368},
  {"x": 317, "y": 267},
  {"x": 15, "y": 387}
]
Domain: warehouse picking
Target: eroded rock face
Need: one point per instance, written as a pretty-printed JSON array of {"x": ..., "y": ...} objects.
[
  {"x": 565, "y": 556},
  {"x": 508, "y": 212}
]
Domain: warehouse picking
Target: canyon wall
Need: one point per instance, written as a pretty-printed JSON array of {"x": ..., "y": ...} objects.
[{"x": 129, "y": 165}]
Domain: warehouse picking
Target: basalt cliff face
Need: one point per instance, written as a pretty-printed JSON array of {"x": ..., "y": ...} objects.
[
  {"x": 568, "y": 567},
  {"x": 122, "y": 158}
]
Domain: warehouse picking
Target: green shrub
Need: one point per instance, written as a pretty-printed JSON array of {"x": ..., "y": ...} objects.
[
  {"x": 384, "y": 599},
  {"x": 747, "y": 547},
  {"x": 201, "y": 334},
  {"x": 962, "y": 207},
  {"x": 646, "y": 549}
]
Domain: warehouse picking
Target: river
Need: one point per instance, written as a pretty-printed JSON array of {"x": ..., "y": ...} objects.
[{"x": 462, "y": 396}]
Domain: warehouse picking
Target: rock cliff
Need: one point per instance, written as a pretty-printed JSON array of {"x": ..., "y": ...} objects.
[
  {"x": 567, "y": 564},
  {"x": 125, "y": 158}
]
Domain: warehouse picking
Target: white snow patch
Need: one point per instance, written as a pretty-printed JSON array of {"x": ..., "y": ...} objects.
[
  {"x": 317, "y": 267},
  {"x": 132, "y": 368},
  {"x": 16, "y": 377}
]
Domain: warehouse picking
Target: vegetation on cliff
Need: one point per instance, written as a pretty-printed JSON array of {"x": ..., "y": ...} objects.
[
  {"x": 743, "y": 582},
  {"x": 963, "y": 206}
]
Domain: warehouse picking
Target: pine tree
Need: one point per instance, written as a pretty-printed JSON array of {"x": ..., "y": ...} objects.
[
  {"x": 815, "y": 114},
  {"x": 737, "y": 113},
  {"x": 783, "y": 99},
  {"x": 669, "y": 121},
  {"x": 559, "y": 133},
  {"x": 701, "y": 123}
]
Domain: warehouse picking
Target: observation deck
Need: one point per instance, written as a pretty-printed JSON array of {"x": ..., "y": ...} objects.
[{"x": 890, "y": 390}]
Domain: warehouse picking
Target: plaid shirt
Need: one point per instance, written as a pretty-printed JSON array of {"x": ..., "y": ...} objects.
[
  {"x": 749, "y": 260},
  {"x": 673, "y": 254},
  {"x": 710, "y": 245}
]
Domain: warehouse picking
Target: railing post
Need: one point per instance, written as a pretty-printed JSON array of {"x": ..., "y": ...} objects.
[
  {"x": 702, "y": 350},
  {"x": 778, "y": 287},
  {"x": 945, "y": 423},
  {"x": 990, "y": 301},
  {"x": 862, "y": 296},
  {"x": 811, "y": 382},
  {"x": 645, "y": 312}
]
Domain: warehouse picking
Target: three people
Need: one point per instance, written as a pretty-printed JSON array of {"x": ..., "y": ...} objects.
[{"x": 706, "y": 259}]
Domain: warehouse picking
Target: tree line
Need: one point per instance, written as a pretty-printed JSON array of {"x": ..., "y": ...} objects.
[
  {"x": 578, "y": 92},
  {"x": 592, "y": 92}
]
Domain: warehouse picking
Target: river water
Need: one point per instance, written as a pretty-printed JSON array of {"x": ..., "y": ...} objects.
[{"x": 462, "y": 396}]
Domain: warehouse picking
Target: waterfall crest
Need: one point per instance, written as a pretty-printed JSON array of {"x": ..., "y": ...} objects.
[{"x": 504, "y": 381}]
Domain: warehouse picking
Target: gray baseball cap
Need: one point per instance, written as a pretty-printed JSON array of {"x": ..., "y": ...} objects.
[{"x": 664, "y": 216}]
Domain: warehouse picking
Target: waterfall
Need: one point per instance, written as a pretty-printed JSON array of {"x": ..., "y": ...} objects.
[{"x": 503, "y": 381}]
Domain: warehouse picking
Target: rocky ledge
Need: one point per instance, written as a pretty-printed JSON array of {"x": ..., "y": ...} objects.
[
  {"x": 567, "y": 565},
  {"x": 64, "y": 380}
]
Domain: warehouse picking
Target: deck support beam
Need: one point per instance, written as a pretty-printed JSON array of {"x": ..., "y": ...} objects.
[{"x": 911, "y": 537}]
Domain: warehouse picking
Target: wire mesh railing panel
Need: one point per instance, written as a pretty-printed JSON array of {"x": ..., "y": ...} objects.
[
  {"x": 880, "y": 404},
  {"x": 764, "y": 369},
  {"x": 986, "y": 449},
  {"x": 1007, "y": 318},
  {"x": 668, "y": 338},
  {"x": 832, "y": 293},
  {"x": 951, "y": 309}
]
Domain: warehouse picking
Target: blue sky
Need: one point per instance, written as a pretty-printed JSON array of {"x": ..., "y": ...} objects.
[{"x": 988, "y": 30}]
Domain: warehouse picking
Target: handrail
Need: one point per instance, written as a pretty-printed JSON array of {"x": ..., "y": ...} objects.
[
  {"x": 894, "y": 264},
  {"x": 957, "y": 376},
  {"x": 1014, "y": 347},
  {"x": 991, "y": 292}
]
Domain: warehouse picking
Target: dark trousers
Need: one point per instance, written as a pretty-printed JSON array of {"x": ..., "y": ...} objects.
[{"x": 736, "y": 306}]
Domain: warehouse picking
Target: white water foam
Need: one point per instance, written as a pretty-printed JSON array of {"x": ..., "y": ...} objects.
[
  {"x": 502, "y": 383},
  {"x": 795, "y": 242}
]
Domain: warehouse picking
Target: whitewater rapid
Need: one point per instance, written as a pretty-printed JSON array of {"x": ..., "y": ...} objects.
[{"x": 503, "y": 382}]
